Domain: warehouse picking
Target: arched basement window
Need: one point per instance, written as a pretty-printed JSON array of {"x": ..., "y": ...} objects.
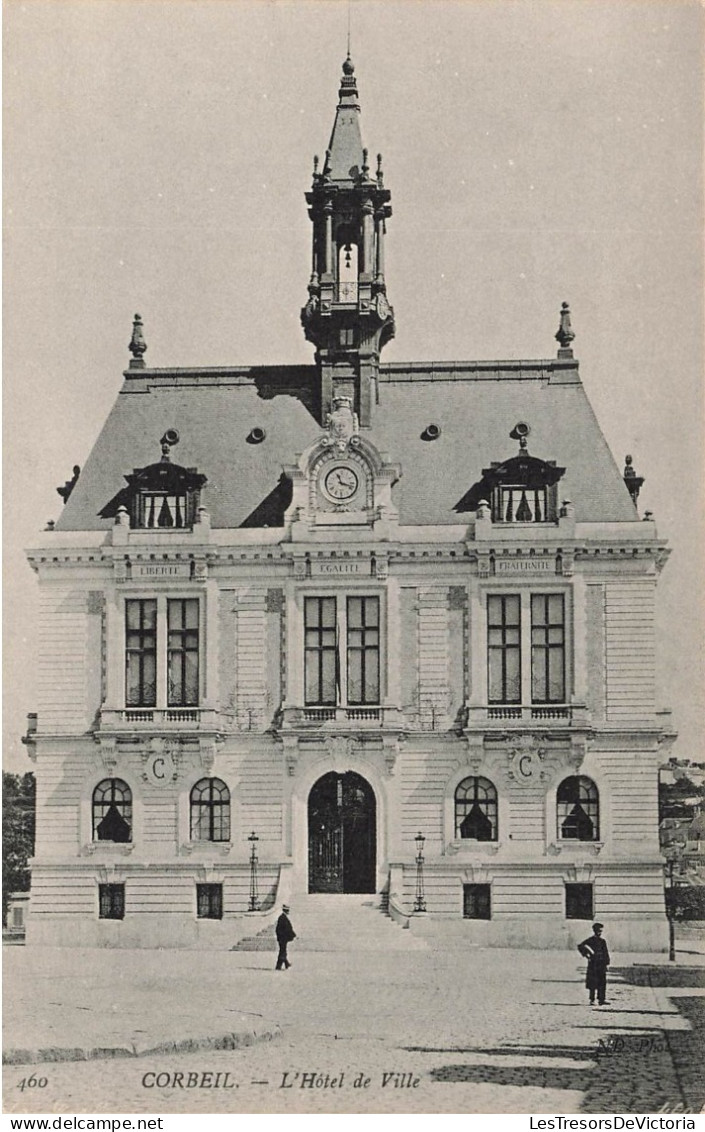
[
  {"x": 112, "y": 811},
  {"x": 578, "y": 806},
  {"x": 210, "y": 810},
  {"x": 476, "y": 810}
]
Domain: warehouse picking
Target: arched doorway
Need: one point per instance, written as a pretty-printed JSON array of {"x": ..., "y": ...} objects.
[{"x": 342, "y": 840}]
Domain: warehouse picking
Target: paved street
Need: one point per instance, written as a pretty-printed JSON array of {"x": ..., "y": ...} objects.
[{"x": 481, "y": 1030}]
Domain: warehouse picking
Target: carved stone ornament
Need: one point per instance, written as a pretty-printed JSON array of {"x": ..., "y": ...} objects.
[
  {"x": 291, "y": 753},
  {"x": 391, "y": 745},
  {"x": 206, "y": 750},
  {"x": 476, "y": 874},
  {"x": 108, "y": 754},
  {"x": 484, "y": 565},
  {"x": 342, "y": 423},
  {"x": 526, "y": 765},
  {"x": 577, "y": 753},
  {"x": 94, "y": 601},
  {"x": 381, "y": 566},
  {"x": 475, "y": 755},
  {"x": 340, "y": 749},
  {"x": 581, "y": 872},
  {"x": 566, "y": 563},
  {"x": 161, "y": 762}
]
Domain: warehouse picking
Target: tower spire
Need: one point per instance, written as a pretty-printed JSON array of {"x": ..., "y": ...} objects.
[{"x": 347, "y": 316}]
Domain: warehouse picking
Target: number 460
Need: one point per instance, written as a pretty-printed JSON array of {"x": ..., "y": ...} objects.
[{"x": 32, "y": 1083}]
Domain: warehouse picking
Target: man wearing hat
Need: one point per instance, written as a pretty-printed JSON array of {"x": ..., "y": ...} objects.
[
  {"x": 595, "y": 951},
  {"x": 285, "y": 934}
]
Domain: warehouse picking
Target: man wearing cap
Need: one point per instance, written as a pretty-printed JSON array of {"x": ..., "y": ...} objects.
[
  {"x": 595, "y": 951},
  {"x": 285, "y": 934}
]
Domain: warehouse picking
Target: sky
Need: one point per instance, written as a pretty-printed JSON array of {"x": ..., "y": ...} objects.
[{"x": 156, "y": 157}]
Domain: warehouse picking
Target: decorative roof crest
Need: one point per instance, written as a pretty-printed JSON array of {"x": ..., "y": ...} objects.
[
  {"x": 565, "y": 333},
  {"x": 138, "y": 346}
]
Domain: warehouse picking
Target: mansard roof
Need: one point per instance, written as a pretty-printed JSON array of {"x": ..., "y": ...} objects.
[{"x": 474, "y": 405}]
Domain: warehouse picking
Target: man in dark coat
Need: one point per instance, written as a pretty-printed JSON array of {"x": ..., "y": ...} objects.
[
  {"x": 285, "y": 934},
  {"x": 595, "y": 951}
]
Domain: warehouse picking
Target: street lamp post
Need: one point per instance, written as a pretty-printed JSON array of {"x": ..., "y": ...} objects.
[
  {"x": 671, "y": 922},
  {"x": 254, "y": 897},
  {"x": 420, "y": 899}
]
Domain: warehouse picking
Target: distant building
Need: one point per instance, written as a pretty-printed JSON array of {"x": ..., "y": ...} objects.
[
  {"x": 16, "y": 916},
  {"x": 340, "y": 606}
]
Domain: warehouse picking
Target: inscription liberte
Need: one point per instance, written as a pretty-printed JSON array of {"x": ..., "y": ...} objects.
[{"x": 177, "y": 570}]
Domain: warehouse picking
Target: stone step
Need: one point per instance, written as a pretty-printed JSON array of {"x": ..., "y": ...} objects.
[{"x": 335, "y": 922}]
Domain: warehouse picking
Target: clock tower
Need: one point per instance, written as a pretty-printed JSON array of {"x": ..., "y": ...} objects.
[{"x": 347, "y": 315}]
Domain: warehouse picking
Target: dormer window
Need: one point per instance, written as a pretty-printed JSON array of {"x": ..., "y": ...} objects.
[
  {"x": 522, "y": 489},
  {"x": 162, "y": 496},
  {"x": 157, "y": 509},
  {"x": 517, "y": 504}
]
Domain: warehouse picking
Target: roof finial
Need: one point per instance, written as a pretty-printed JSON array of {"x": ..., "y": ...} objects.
[
  {"x": 565, "y": 334},
  {"x": 349, "y": 22},
  {"x": 137, "y": 345},
  {"x": 631, "y": 479}
]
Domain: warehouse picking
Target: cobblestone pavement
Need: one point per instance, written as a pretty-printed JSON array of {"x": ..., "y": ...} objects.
[{"x": 481, "y": 1031}]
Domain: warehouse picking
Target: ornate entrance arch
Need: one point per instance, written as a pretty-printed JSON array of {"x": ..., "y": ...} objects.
[{"x": 342, "y": 820}]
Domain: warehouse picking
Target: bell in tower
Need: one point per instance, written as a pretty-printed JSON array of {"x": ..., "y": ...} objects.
[{"x": 347, "y": 315}]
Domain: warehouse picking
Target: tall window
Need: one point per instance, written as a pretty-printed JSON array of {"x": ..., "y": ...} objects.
[
  {"x": 476, "y": 810},
  {"x": 335, "y": 674},
  {"x": 321, "y": 648},
  {"x": 112, "y": 811},
  {"x": 526, "y": 648},
  {"x": 182, "y": 652},
  {"x": 578, "y": 809},
  {"x": 210, "y": 810},
  {"x": 547, "y": 649},
  {"x": 162, "y": 645},
  {"x": 141, "y": 652},
  {"x": 504, "y": 649},
  {"x": 363, "y": 650}
]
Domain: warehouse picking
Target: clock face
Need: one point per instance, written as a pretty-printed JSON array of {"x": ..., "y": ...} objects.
[{"x": 340, "y": 483}]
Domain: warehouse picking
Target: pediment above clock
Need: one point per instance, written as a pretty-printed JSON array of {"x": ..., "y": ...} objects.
[{"x": 342, "y": 478}]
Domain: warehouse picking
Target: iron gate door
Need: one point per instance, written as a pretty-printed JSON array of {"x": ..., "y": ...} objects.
[{"x": 341, "y": 834}]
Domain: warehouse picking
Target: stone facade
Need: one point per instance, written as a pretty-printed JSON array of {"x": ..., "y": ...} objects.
[{"x": 357, "y": 616}]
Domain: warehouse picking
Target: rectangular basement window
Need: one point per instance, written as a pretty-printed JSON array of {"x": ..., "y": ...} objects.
[
  {"x": 476, "y": 902},
  {"x": 209, "y": 901},
  {"x": 111, "y": 901},
  {"x": 578, "y": 902}
]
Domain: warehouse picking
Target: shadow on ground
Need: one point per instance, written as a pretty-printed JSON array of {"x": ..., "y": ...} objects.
[{"x": 630, "y": 1068}]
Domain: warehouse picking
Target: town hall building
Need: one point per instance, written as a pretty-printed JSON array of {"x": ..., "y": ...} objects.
[{"x": 384, "y": 630}]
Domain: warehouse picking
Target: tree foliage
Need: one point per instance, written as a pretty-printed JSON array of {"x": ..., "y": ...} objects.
[
  {"x": 686, "y": 902},
  {"x": 680, "y": 799},
  {"x": 18, "y": 821}
]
